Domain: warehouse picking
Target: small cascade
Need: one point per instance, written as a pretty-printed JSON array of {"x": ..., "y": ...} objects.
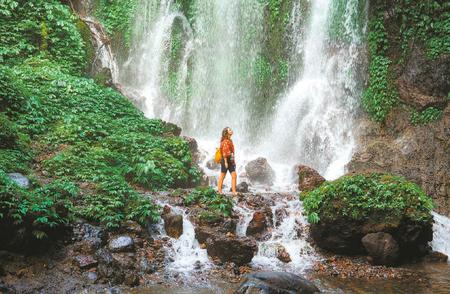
[
  {"x": 289, "y": 232},
  {"x": 441, "y": 234},
  {"x": 185, "y": 254},
  {"x": 104, "y": 58}
]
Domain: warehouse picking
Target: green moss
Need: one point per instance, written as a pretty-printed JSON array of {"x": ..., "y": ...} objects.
[
  {"x": 380, "y": 197},
  {"x": 428, "y": 115}
]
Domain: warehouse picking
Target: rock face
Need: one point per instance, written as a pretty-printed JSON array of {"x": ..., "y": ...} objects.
[
  {"x": 308, "y": 178},
  {"x": 382, "y": 248},
  {"x": 276, "y": 282},
  {"x": 173, "y": 223},
  {"x": 259, "y": 171},
  {"x": 419, "y": 153},
  {"x": 344, "y": 236}
]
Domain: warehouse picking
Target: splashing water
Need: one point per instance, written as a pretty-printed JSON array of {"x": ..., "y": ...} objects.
[
  {"x": 441, "y": 234},
  {"x": 185, "y": 254}
]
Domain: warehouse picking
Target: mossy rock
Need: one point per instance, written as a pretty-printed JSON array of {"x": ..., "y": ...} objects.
[{"x": 345, "y": 210}]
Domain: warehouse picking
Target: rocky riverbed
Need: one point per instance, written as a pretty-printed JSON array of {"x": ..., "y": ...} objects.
[{"x": 172, "y": 257}]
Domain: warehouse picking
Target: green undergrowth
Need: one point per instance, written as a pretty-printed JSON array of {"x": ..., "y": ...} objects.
[
  {"x": 395, "y": 27},
  {"x": 45, "y": 27},
  {"x": 375, "y": 197},
  {"x": 117, "y": 16},
  {"x": 218, "y": 205},
  {"x": 84, "y": 145},
  {"x": 39, "y": 210}
]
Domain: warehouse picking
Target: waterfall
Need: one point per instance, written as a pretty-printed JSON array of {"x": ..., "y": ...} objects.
[
  {"x": 314, "y": 121},
  {"x": 199, "y": 71},
  {"x": 441, "y": 234}
]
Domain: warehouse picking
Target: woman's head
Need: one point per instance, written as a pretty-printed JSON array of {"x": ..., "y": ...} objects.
[{"x": 226, "y": 133}]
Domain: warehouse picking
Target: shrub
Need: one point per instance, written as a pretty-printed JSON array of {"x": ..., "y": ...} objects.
[
  {"x": 428, "y": 115},
  {"x": 381, "y": 197},
  {"x": 211, "y": 199}
]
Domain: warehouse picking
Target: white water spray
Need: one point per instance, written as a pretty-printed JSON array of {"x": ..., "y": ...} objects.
[
  {"x": 441, "y": 234},
  {"x": 185, "y": 254}
]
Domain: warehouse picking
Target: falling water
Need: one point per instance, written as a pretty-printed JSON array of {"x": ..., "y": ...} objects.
[
  {"x": 185, "y": 254},
  {"x": 441, "y": 234},
  {"x": 314, "y": 121},
  {"x": 198, "y": 73}
]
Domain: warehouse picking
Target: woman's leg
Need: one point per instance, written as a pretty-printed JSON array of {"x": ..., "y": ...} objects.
[
  {"x": 233, "y": 182},
  {"x": 220, "y": 183}
]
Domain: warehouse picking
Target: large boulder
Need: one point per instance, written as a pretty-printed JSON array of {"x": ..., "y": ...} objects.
[
  {"x": 222, "y": 244},
  {"x": 276, "y": 282},
  {"x": 342, "y": 212},
  {"x": 259, "y": 171},
  {"x": 382, "y": 248},
  {"x": 308, "y": 178}
]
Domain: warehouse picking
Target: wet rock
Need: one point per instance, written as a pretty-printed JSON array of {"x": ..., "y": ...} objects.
[
  {"x": 131, "y": 279},
  {"x": 124, "y": 260},
  {"x": 193, "y": 147},
  {"x": 308, "y": 178},
  {"x": 121, "y": 244},
  {"x": 91, "y": 237},
  {"x": 242, "y": 187},
  {"x": 259, "y": 171},
  {"x": 240, "y": 251},
  {"x": 20, "y": 180},
  {"x": 276, "y": 282},
  {"x": 91, "y": 277},
  {"x": 173, "y": 223},
  {"x": 146, "y": 267},
  {"x": 283, "y": 255},
  {"x": 343, "y": 236},
  {"x": 226, "y": 248},
  {"x": 4, "y": 288},
  {"x": 435, "y": 256},
  {"x": 132, "y": 227},
  {"x": 85, "y": 261},
  {"x": 259, "y": 223},
  {"x": 212, "y": 165},
  {"x": 382, "y": 248}
]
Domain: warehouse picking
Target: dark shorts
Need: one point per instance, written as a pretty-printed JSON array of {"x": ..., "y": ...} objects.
[{"x": 231, "y": 166}]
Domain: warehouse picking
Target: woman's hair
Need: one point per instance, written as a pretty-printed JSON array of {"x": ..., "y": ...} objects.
[{"x": 225, "y": 134}]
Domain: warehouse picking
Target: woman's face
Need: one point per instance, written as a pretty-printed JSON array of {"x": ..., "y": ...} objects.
[{"x": 230, "y": 132}]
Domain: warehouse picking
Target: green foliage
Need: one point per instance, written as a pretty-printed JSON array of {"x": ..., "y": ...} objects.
[
  {"x": 117, "y": 16},
  {"x": 44, "y": 208},
  {"x": 40, "y": 27},
  {"x": 346, "y": 16},
  {"x": 381, "y": 95},
  {"x": 262, "y": 70},
  {"x": 427, "y": 21},
  {"x": 412, "y": 24},
  {"x": 379, "y": 197},
  {"x": 428, "y": 115},
  {"x": 213, "y": 201}
]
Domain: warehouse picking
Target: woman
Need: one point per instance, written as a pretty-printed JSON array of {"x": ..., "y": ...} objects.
[{"x": 227, "y": 163}]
